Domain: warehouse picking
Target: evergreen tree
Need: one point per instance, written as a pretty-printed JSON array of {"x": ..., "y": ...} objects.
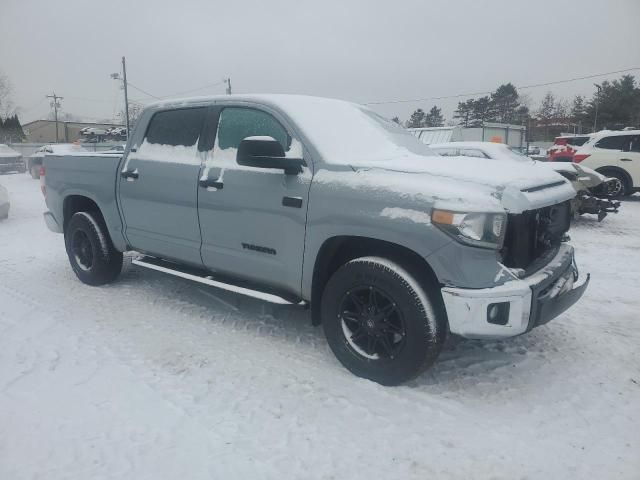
[
  {"x": 618, "y": 104},
  {"x": 481, "y": 112},
  {"x": 417, "y": 119},
  {"x": 11, "y": 130},
  {"x": 434, "y": 118},
  {"x": 464, "y": 112},
  {"x": 504, "y": 104},
  {"x": 396, "y": 119}
]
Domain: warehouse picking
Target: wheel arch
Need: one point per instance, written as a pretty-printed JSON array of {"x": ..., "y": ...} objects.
[
  {"x": 338, "y": 250},
  {"x": 79, "y": 203},
  {"x": 621, "y": 171}
]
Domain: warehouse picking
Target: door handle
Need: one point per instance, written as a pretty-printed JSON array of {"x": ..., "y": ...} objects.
[
  {"x": 208, "y": 182},
  {"x": 130, "y": 174},
  {"x": 625, "y": 159}
]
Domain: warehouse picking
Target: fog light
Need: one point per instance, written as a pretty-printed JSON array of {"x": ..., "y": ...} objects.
[{"x": 498, "y": 313}]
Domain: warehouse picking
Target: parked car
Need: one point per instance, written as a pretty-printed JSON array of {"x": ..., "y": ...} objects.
[
  {"x": 565, "y": 146},
  {"x": 614, "y": 154},
  {"x": 35, "y": 161},
  {"x": 117, "y": 132},
  {"x": 323, "y": 202},
  {"x": 94, "y": 131},
  {"x": 4, "y": 203},
  {"x": 533, "y": 150},
  {"x": 592, "y": 189},
  {"x": 10, "y": 160}
]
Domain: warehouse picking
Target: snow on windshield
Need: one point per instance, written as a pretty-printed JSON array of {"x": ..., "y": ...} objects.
[{"x": 346, "y": 133}]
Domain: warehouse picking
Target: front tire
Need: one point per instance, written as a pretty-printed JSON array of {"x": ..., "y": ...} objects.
[
  {"x": 91, "y": 253},
  {"x": 379, "y": 321},
  {"x": 623, "y": 188}
]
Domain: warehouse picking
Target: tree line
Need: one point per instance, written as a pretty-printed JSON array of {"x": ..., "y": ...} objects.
[
  {"x": 613, "y": 105},
  {"x": 11, "y": 130}
]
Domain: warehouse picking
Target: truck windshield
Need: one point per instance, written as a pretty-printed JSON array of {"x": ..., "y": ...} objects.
[{"x": 349, "y": 134}]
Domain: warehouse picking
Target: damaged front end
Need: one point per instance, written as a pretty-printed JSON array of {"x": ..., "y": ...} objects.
[
  {"x": 540, "y": 279},
  {"x": 593, "y": 192},
  {"x": 589, "y": 203}
]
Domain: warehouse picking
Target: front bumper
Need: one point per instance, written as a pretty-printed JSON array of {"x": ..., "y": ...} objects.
[{"x": 532, "y": 301}]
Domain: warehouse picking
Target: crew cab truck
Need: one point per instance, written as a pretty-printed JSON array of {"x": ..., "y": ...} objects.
[{"x": 325, "y": 203}]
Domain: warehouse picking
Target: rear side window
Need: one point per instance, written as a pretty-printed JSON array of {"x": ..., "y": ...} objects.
[
  {"x": 236, "y": 124},
  {"x": 618, "y": 142},
  {"x": 176, "y": 127}
]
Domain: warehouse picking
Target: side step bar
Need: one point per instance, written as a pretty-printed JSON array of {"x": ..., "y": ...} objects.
[{"x": 205, "y": 277}]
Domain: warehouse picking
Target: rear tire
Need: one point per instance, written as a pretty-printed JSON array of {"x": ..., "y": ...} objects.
[
  {"x": 91, "y": 253},
  {"x": 379, "y": 321}
]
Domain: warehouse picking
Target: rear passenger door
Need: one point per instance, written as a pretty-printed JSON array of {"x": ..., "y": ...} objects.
[
  {"x": 620, "y": 151},
  {"x": 158, "y": 187}
]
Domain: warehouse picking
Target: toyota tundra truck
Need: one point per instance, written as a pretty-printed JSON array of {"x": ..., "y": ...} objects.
[{"x": 325, "y": 204}]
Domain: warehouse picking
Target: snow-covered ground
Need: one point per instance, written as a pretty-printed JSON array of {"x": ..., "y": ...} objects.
[{"x": 155, "y": 377}]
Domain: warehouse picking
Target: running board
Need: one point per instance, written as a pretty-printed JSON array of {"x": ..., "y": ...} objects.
[{"x": 204, "y": 277}]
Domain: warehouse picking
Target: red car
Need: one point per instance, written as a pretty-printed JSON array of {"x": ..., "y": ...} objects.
[{"x": 565, "y": 147}]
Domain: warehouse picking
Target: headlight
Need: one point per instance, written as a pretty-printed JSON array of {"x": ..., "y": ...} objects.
[{"x": 477, "y": 229}]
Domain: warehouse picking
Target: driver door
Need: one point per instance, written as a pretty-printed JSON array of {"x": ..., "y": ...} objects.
[{"x": 253, "y": 220}]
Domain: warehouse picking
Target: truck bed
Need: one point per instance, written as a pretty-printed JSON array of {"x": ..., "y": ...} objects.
[{"x": 93, "y": 176}]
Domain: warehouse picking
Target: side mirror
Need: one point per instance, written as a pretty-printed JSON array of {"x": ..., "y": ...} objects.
[{"x": 266, "y": 152}]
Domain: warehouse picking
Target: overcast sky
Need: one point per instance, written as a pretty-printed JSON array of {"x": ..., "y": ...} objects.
[{"x": 357, "y": 50}]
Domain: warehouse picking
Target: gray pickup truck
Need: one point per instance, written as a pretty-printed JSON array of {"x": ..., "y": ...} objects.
[{"x": 324, "y": 203}]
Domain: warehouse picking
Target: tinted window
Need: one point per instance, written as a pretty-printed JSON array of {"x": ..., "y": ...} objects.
[
  {"x": 618, "y": 142},
  {"x": 471, "y": 152},
  {"x": 236, "y": 124},
  {"x": 447, "y": 152},
  {"x": 635, "y": 144},
  {"x": 176, "y": 127},
  {"x": 577, "y": 141}
]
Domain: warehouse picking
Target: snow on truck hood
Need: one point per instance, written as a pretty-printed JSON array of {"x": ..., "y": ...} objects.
[{"x": 453, "y": 180}]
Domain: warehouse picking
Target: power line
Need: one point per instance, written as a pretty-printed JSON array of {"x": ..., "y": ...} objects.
[
  {"x": 142, "y": 91},
  {"x": 211, "y": 85},
  {"x": 523, "y": 87}
]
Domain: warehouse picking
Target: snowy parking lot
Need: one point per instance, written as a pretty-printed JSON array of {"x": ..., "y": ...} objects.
[{"x": 156, "y": 377}]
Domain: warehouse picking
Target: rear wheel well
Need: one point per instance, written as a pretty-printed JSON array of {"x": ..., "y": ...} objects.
[
  {"x": 79, "y": 203},
  {"x": 337, "y": 251},
  {"x": 621, "y": 171}
]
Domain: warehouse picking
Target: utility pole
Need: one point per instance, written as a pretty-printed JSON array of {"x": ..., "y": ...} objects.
[
  {"x": 595, "y": 117},
  {"x": 228, "y": 80},
  {"x": 116, "y": 76},
  {"x": 55, "y": 106},
  {"x": 126, "y": 96}
]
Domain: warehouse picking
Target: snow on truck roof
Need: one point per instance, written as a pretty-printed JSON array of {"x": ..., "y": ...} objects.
[{"x": 343, "y": 132}]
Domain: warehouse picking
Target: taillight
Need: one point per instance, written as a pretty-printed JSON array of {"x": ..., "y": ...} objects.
[
  {"x": 43, "y": 188},
  {"x": 580, "y": 157}
]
